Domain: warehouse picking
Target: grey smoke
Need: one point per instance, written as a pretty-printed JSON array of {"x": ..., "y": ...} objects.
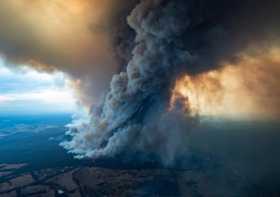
[
  {"x": 134, "y": 92},
  {"x": 172, "y": 37},
  {"x": 160, "y": 41}
]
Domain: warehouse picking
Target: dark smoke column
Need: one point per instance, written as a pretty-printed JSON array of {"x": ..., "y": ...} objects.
[
  {"x": 133, "y": 94},
  {"x": 173, "y": 37}
]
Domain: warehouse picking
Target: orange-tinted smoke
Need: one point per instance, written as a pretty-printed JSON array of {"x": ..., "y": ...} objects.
[
  {"x": 73, "y": 36},
  {"x": 246, "y": 89}
]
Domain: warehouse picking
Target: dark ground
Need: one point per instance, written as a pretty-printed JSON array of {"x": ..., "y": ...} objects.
[{"x": 226, "y": 158}]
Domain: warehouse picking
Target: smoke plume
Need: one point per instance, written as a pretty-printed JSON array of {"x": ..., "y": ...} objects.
[
  {"x": 172, "y": 38},
  {"x": 78, "y": 37},
  {"x": 251, "y": 82},
  {"x": 169, "y": 39}
]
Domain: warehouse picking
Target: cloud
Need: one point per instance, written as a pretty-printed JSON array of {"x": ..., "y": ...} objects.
[
  {"x": 173, "y": 38},
  {"x": 26, "y": 90},
  {"x": 75, "y": 36},
  {"x": 162, "y": 41}
]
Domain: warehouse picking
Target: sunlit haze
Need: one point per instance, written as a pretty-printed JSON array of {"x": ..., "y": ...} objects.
[{"x": 26, "y": 91}]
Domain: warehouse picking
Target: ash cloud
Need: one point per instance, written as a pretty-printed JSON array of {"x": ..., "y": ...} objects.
[
  {"x": 172, "y": 38},
  {"x": 77, "y": 37},
  {"x": 168, "y": 39}
]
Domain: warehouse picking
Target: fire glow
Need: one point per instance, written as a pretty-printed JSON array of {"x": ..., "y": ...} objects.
[{"x": 234, "y": 90}]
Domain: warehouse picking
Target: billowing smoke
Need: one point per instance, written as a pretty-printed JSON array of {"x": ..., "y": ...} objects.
[
  {"x": 172, "y": 38},
  {"x": 169, "y": 39},
  {"x": 79, "y": 37},
  {"x": 254, "y": 79}
]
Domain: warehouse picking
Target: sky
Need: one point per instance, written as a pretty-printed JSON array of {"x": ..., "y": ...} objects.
[{"x": 26, "y": 91}]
